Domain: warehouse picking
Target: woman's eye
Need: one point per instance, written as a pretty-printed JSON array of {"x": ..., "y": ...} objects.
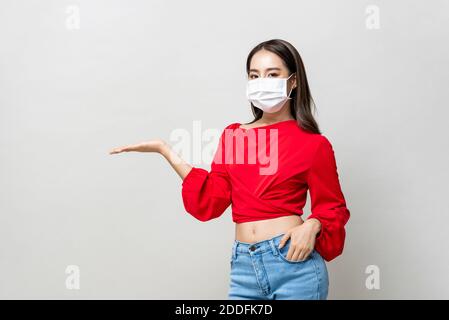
[{"x": 253, "y": 76}]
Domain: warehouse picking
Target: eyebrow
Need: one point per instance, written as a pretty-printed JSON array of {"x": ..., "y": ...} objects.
[{"x": 268, "y": 69}]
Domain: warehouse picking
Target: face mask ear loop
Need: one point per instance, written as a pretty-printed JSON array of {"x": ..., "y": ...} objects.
[{"x": 291, "y": 89}]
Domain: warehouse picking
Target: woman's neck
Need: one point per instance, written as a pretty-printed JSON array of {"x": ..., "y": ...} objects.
[{"x": 281, "y": 115}]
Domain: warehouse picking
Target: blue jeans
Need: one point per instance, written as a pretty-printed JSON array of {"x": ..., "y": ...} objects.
[{"x": 261, "y": 271}]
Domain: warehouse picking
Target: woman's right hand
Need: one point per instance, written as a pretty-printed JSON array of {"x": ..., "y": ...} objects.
[
  {"x": 160, "y": 146},
  {"x": 154, "y": 145}
]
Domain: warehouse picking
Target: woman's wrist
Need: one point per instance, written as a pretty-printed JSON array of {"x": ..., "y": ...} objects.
[
  {"x": 315, "y": 224},
  {"x": 164, "y": 148}
]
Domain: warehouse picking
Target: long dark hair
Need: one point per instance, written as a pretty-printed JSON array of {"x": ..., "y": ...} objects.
[{"x": 302, "y": 104}]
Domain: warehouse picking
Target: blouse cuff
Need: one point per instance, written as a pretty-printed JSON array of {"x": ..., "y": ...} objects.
[
  {"x": 190, "y": 181},
  {"x": 319, "y": 235}
]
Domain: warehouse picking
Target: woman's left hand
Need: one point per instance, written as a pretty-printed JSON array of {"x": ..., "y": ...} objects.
[{"x": 302, "y": 240}]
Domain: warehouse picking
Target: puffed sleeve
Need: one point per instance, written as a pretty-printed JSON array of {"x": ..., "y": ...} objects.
[
  {"x": 328, "y": 204},
  {"x": 206, "y": 195}
]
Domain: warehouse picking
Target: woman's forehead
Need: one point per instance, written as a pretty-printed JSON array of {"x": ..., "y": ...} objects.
[{"x": 264, "y": 60}]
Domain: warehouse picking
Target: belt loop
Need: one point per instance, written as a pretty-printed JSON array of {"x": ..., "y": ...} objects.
[
  {"x": 273, "y": 247},
  {"x": 234, "y": 250}
]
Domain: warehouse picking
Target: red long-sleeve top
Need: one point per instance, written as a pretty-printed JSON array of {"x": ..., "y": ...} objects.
[{"x": 265, "y": 172}]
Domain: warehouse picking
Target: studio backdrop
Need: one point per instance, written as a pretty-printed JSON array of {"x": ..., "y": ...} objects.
[{"x": 80, "y": 77}]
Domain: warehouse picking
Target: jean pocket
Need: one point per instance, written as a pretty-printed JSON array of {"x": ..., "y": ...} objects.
[{"x": 282, "y": 254}]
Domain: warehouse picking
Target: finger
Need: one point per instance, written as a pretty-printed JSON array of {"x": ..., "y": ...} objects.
[
  {"x": 124, "y": 149},
  {"x": 284, "y": 239},
  {"x": 303, "y": 254},
  {"x": 290, "y": 253},
  {"x": 300, "y": 255},
  {"x": 128, "y": 148},
  {"x": 119, "y": 150},
  {"x": 115, "y": 151},
  {"x": 297, "y": 255}
]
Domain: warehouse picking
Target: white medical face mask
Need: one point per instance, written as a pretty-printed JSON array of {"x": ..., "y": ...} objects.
[{"x": 268, "y": 94}]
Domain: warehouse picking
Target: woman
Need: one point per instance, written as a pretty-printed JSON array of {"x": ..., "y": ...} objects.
[{"x": 276, "y": 254}]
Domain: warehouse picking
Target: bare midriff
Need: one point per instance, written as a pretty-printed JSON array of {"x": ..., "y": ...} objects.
[{"x": 255, "y": 231}]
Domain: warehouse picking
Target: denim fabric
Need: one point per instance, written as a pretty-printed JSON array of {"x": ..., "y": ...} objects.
[{"x": 266, "y": 273}]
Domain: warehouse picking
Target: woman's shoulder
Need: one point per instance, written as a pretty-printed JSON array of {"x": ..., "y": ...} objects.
[
  {"x": 229, "y": 129},
  {"x": 313, "y": 139},
  {"x": 232, "y": 125},
  {"x": 319, "y": 139}
]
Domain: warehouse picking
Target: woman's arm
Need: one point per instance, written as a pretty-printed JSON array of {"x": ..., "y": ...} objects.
[
  {"x": 181, "y": 167},
  {"x": 328, "y": 203},
  {"x": 205, "y": 194}
]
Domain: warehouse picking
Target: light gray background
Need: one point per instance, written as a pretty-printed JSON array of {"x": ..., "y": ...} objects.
[{"x": 137, "y": 70}]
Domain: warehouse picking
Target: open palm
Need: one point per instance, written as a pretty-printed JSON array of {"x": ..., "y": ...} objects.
[{"x": 153, "y": 145}]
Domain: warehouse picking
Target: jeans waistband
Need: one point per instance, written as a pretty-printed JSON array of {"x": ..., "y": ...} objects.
[{"x": 256, "y": 248}]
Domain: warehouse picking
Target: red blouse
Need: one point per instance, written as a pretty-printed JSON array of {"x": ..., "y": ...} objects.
[{"x": 265, "y": 173}]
